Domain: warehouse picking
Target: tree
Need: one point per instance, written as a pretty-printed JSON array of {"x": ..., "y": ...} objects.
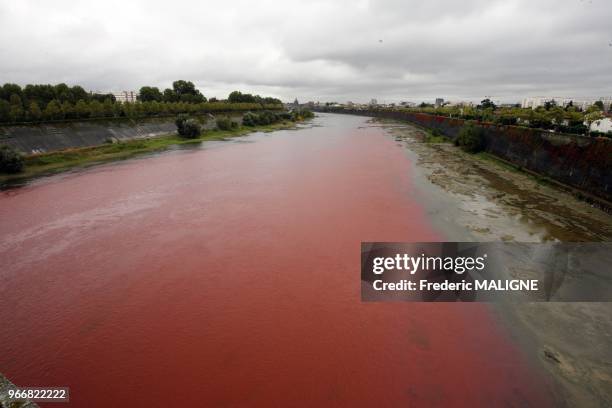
[
  {"x": 5, "y": 111},
  {"x": 170, "y": 95},
  {"x": 149, "y": 94},
  {"x": 10, "y": 89},
  {"x": 16, "y": 113},
  {"x": 78, "y": 93},
  {"x": 34, "y": 112},
  {"x": 487, "y": 103},
  {"x": 239, "y": 97},
  {"x": 600, "y": 105},
  {"x": 68, "y": 110},
  {"x": 53, "y": 111},
  {"x": 81, "y": 109},
  {"x": 558, "y": 116},
  {"x": 185, "y": 91}
]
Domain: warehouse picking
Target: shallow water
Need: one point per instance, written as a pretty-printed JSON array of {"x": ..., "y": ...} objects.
[{"x": 228, "y": 275}]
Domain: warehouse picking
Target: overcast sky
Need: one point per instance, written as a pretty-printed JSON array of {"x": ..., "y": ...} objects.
[{"x": 332, "y": 50}]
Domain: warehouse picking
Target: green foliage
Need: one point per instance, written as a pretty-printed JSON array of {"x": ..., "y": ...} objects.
[
  {"x": 265, "y": 118},
  {"x": 10, "y": 160},
  {"x": 5, "y": 111},
  {"x": 226, "y": 123},
  {"x": 471, "y": 138},
  {"x": 42, "y": 102},
  {"x": 150, "y": 93},
  {"x": 188, "y": 127},
  {"x": 487, "y": 104},
  {"x": 250, "y": 119},
  {"x": 239, "y": 97},
  {"x": 53, "y": 111},
  {"x": 35, "y": 112},
  {"x": 307, "y": 113}
]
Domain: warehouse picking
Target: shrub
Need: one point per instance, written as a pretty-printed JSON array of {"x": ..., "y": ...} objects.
[
  {"x": 471, "y": 138},
  {"x": 250, "y": 119},
  {"x": 11, "y": 160},
  {"x": 225, "y": 123},
  {"x": 307, "y": 114},
  {"x": 188, "y": 127},
  {"x": 285, "y": 115},
  {"x": 179, "y": 122}
]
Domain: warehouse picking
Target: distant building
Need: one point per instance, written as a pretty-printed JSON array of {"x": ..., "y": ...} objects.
[
  {"x": 373, "y": 102},
  {"x": 126, "y": 96},
  {"x": 581, "y": 103},
  {"x": 460, "y": 104},
  {"x": 439, "y": 102}
]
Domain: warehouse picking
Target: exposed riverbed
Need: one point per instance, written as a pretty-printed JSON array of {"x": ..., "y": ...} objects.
[
  {"x": 478, "y": 199},
  {"x": 227, "y": 274}
]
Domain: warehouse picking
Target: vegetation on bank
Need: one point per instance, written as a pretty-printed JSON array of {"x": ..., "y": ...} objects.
[
  {"x": 471, "y": 138},
  {"x": 45, "y": 163},
  {"x": 11, "y": 161},
  {"x": 563, "y": 119},
  {"x": 435, "y": 136},
  {"x": 45, "y": 103}
]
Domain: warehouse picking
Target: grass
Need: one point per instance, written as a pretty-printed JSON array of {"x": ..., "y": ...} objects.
[
  {"x": 54, "y": 162},
  {"x": 431, "y": 138}
]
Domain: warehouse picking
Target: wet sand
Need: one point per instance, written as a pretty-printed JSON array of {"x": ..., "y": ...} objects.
[
  {"x": 476, "y": 199},
  {"x": 228, "y": 275}
]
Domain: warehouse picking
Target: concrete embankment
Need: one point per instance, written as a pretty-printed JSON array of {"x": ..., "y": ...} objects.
[
  {"x": 42, "y": 138},
  {"x": 579, "y": 162}
]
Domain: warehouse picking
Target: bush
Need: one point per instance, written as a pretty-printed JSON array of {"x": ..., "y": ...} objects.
[
  {"x": 471, "y": 138},
  {"x": 188, "y": 127},
  {"x": 307, "y": 114},
  {"x": 11, "y": 160},
  {"x": 250, "y": 119},
  {"x": 225, "y": 123}
]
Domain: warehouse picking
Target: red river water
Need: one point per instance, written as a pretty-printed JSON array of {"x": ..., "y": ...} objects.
[{"x": 228, "y": 275}]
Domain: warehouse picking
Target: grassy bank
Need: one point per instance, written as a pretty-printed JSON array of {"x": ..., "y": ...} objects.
[{"x": 54, "y": 162}]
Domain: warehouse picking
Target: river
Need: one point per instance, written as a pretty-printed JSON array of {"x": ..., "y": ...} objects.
[{"x": 228, "y": 275}]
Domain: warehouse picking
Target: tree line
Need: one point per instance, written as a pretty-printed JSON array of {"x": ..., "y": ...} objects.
[{"x": 42, "y": 103}]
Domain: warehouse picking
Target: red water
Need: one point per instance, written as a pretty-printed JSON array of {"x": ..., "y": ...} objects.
[{"x": 229, "y": 276}]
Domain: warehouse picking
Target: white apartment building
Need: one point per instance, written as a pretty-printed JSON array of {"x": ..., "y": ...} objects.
[
  {"x": 582, "y": 103},
  {"x": 126, "y": 96}
]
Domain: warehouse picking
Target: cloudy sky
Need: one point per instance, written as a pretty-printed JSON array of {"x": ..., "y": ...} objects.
[{"x": 332, "y": 50}]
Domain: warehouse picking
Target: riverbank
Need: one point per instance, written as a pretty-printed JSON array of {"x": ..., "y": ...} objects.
[
  {"x": 479, "y": 198},
  {"x": 49, "y": 163}
]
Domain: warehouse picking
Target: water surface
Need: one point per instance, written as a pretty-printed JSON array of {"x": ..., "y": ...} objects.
[{"x": 228, "y": 275}]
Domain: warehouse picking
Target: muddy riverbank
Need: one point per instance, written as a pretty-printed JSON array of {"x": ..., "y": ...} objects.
[{"x": 477, "y": 198}]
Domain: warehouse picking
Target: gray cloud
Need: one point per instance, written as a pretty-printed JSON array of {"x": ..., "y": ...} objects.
[{"x": 322, "y": 50}]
